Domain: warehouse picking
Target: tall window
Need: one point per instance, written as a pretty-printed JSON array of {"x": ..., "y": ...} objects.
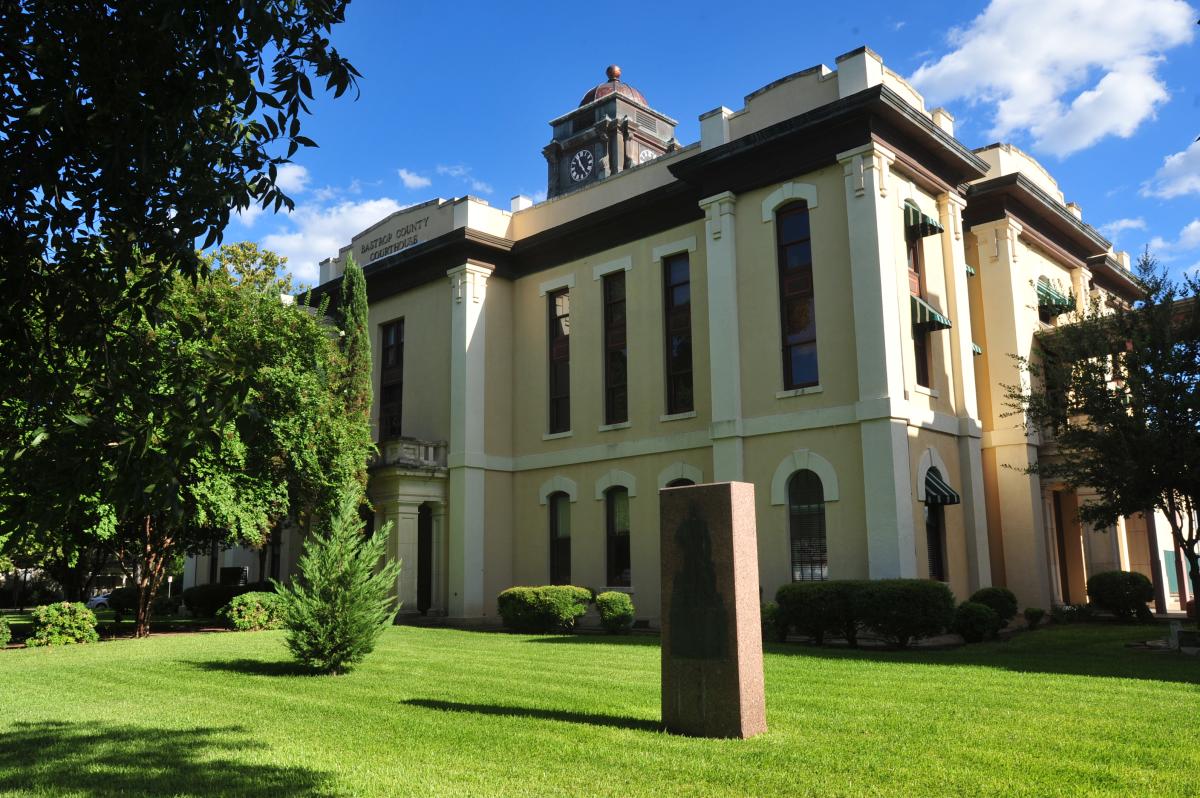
[
  {"x": 560, "y": 539},
  {"x": 677, "y": 294},
  {"x": 796, "y": 306},
  {"x": 935, "y": 536},
  {"x": 616, "y": 501},
  {"x": 916, "y": 287},
  {"x": 391, "y": 380},
  {"x": 616, "y": 351},
  {"x": 560, "y": 361},
  {"x": 806, "y": 520}
]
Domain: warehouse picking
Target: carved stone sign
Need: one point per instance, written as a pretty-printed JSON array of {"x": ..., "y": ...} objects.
[{"x": 712, "y": 671}]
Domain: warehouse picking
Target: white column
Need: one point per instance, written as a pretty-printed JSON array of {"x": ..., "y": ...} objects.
[
  {"x": 966, "y": 400},
  {"x": 403, "y": 516},
  {"x": 724, "y": 348},
  {"x": 880, "y": 316},
  {"x": 465, "y": 455}
]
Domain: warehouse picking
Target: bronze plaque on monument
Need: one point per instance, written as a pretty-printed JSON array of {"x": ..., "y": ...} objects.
[{"x": 712, "y": 667}]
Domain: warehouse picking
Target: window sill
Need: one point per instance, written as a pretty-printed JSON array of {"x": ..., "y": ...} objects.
[
  {"x": 799, "y": 392},
  {"x": 611, "y": 427},
  {"x": 553, "y": 436},
  {"x": 677, "y": 416},
  {"x": 930, "y": 392}
]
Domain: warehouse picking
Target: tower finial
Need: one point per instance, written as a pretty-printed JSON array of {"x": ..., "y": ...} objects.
[{"x": 613, "y": 72}]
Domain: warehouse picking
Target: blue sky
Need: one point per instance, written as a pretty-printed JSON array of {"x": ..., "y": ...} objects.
[{"x": 455, "y": 99}]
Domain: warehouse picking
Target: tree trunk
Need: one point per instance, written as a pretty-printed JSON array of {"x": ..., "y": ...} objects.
[{"x": 155, "y": 551}]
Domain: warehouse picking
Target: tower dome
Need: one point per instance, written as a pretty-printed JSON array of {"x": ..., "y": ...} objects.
[{"x": 613, "y": 86}]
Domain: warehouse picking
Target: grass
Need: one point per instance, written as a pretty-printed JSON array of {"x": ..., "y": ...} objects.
[
  {"x": 1061, "y": 711},
  {"x": 21, "y": 623}
]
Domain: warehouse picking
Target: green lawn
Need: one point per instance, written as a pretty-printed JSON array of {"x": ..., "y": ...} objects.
[
  {"x": 1066, "y": 711},
  {"x": 21, "y": 623}
]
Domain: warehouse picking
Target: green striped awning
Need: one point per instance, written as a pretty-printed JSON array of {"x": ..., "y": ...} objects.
[
  {"x": 917, "y": 224},
  {"x": 970, "y": 270},
  {"x": 925, "y": 318},
  {"x": 976, "y": 349},
  {"x": 937, "y": 491},
  {"x": 1050, "y": 298}
]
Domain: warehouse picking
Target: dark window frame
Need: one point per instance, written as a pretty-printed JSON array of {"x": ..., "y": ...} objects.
[
  {"x": 808, "y": 553},
  {"x": 677, "y": 324},
  {"x": 935, "y": 539},
  {"x": 796, "y": 290},
  {"x": 391, "y": 380},
  {"x": 560, "y": 545},
  {"x": 922, "y": 349},
  {"x": 616, "y": 348},
  {"x": 618, "y": 557},
  {"x": 558, "y": 361}
]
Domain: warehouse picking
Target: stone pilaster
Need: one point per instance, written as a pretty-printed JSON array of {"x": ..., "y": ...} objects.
[
  {"x": 724, "y": 346},
  {"x": 880, "y": 316},
  {"x": 465, "y": 454}
]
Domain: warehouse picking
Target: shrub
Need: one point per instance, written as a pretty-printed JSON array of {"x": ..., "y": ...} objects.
[
  {"x": 773, "y": 627},
  {"x": 1123, "y": 593},
  {"x": 251, "y": 612},
  {"x": 343, "y": 599},
  {"x": 975, "y": 621},
  {"x": 63, "y": 624},
  {"x": 1033, "y": 616},
  {"x": 5, "y": 633},
  {"x": 904, "y": 610},
  {"x": 204, "y": 601},
  {"x": 815, "y": 609},
  {"x": 540, "y": 610},
  {"x": 1002, "y": 601},
  {"x": 616, "y": 611},
  {"x": 1071, "y": 613},
  {"x": 123, "y": 600}
]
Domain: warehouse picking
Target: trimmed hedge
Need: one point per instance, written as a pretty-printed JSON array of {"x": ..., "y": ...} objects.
[
  {"x": 817, "y": 609},
  {"x": 773, "y": 627},
  {"x": 1002, "y": 601},
  {"x": 252, "y": 612},
  {"x": 1034, "y": 616},
  {"x": 552, "y": 608},
  {"x": 975, "y": 621},
  {"x": 5, "y": 633},
  {"x": 898, "y": 610},
  {"x": 62, "y": 624},
  {"x": 1123, "y": 593},
  {"x": 616, "y": 612},
  {"x": 205, "y": 601}
]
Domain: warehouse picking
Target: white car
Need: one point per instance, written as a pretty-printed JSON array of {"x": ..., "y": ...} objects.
[{"x": 99, "y": 602}]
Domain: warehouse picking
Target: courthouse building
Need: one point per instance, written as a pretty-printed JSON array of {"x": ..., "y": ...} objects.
[{"x": 822, "y": 297}]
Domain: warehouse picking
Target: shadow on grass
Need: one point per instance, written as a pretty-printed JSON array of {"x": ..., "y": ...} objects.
[
  {"x": 587, "y": 718},
  {"x": 590, "y": 640},
  {"x": 1084, "y": 650},
  {"x": 254, "y": 667},
  {"x": 97, "y": 759}
]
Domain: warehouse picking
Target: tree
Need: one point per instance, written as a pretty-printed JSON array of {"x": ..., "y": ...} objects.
[
  {"x": 357, "y": 348},
  {"x": 335, "y": 612},
  {"x": 211, "y": 424},
  {"x": 1116, "y": 394}
]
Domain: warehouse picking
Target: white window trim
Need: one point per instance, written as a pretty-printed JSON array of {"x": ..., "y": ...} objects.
[
  {"x": 786, "y": 193},
  {"x": 930, "y": 459},
  {"x": 677, "y": 416},
  {"x": 611, "y": 427},
  {"x": 565, "y": 281},
  {"x": 558, "y": 484},
  {"x": 616, "y": 478},
  {"x": 804, "y": 460},
  {"x": 799, "y": 392},
  {"x": 553, "y": 436},
  {"x": 620, "y": 264},
  {"x": 679, "y": 471},
  {"x": 674, "y": 248}
]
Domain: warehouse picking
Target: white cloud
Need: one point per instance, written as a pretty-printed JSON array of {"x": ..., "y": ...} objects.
[
  {"x": 292, "y": 178},
  {"x": 1178, "y": 175},
  {"x": 413, "y": 180},
  {"x": 1067, "y": 72},
  {"x": 314, "y": 232},
  {"x": 1187, "y": 241},
  {"x": 1112, "y": 230},
  {"x": 463, "y": 172},
  {"x": 248, "y": 215}
]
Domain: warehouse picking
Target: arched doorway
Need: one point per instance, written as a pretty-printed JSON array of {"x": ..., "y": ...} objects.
[{"x": 424, "y": 558}]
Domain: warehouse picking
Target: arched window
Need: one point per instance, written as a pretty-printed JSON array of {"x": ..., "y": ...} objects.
[
  {"x": 935, "y": 530},
  {"x": 806, "y": 522},
  {"x": 682, "y": 482},
  {"x": 797, "y": 309},
  {"x": 560, "y": 538},
  {"x": 617, "y": 559}
]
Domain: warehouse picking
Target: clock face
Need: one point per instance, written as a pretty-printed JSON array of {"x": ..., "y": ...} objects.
[
  {"x": 645, "y": 155},
  {"x": 581, "y": 165}
]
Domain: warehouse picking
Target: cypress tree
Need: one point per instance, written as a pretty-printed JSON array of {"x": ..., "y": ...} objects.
[{"x": 356, "y": 346}]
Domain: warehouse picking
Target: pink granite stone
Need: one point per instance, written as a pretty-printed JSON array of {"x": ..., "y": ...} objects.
[{"x": 712, "y": 667}]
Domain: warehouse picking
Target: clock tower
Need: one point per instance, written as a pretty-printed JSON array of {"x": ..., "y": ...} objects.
[{"x": 612, "y": 130}]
